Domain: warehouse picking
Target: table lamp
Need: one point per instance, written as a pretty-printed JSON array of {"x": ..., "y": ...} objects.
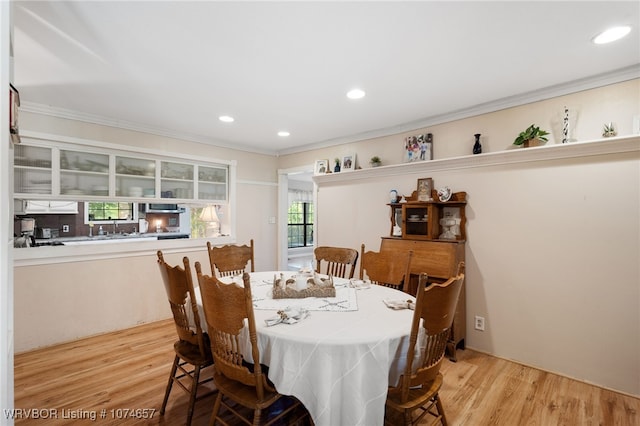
[{"x": 210, "y": 216}]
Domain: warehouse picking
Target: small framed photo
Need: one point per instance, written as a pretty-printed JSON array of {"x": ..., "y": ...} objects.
[
  {"x": 348, "y": 162},
  {"x": 14, "y": 103},
  {"x": 322, "y": 166},
  {"x": 425, "y": 185},
  {"x": 418, "y": 148}
]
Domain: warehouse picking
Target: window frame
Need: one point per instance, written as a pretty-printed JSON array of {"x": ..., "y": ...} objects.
[{"x": 306, "y": 226}]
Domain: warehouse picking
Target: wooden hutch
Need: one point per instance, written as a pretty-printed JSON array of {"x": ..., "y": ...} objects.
[{"x": 435, "y": 232}]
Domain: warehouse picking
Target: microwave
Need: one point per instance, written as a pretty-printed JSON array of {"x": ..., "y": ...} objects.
[{"x": 162, "y": 208}]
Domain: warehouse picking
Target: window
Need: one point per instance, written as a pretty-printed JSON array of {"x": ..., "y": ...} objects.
[
  {"x": 105, "y": 212},
  {"x": 300, "y": 224}
]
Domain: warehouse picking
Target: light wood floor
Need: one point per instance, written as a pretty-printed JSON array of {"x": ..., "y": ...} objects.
[{"x": 129, "y": 369}]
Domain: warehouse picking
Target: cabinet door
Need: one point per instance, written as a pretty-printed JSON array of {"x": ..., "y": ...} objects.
[
  {"x": 135, "y": 177},
  {"x": 212, "y": 183},
  {"x": 415, "y": 221},
  {"x": 32, "y": 170},
  {"x": 36, "y": 206},
  {"x": 176, "y": 180},
  {"x": 63, "y": 207},
  {"x": 84, "y": 173},
  {"x": 50, "y": 207}
]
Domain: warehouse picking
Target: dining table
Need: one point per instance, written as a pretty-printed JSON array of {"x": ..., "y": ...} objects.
[{"x": 341, "y": 356}]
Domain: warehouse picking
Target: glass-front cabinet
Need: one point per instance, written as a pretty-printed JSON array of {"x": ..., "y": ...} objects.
[
  {"x": 176, "y": 180},
  {"x": 84, "y": 173},
  {"x": 135, "y": 177},
  {"x": 212, "y": 183},
  {"x": 32, "y": 170},
  {"x": 73, "y": 173}
]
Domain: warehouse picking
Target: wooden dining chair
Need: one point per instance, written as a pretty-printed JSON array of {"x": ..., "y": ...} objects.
[
  {"x": 192, "y": 349},
  {"x": 416, "y": 394},
  {"x": 230, "y": 260},
  {"x": 337, "y": 261},
  {"x": 387, "y": 268},
  {"x": 227, "y": 307}
]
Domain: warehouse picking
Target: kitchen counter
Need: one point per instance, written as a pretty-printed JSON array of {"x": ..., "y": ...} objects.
[{"x": 111, "y": 238}]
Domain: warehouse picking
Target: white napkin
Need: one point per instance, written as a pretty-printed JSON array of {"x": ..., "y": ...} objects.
[
  {"x": 288, "y": 316},
  {"x": 360, "y": 284},
  {"x": 399, "y": 304}
]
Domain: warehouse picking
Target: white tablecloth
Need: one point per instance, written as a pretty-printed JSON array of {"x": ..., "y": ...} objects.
[{"x": 339, "y": 364}]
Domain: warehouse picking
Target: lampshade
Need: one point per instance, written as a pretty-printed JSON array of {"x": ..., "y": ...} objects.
[{"x": 209, "y": 214}]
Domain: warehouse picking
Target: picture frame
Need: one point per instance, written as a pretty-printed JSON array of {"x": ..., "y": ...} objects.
[
  {"x": 425, "y": 187},
  {"x": 14, "y": 103},
  {"x": 321, "y": 167},
  {"x": 348, "y": 163},
  {"x": 418, "y": 148}
]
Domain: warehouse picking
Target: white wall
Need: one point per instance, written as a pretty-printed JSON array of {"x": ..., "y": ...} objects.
[
  {"x": 553, "y": 246},
  {"x": 552, "y": 265}
]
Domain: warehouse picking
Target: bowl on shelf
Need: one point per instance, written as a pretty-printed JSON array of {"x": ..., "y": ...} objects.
[{"x": 135, "y": 191}]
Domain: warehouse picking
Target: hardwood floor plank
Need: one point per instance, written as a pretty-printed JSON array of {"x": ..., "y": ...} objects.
[{"x": 129, "y": 369}]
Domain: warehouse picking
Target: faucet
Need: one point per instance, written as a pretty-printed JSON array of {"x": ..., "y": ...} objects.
[{"x": 115, "y": 226}]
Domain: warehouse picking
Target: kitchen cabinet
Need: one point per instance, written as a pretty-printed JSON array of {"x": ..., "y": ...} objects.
[
  {"x": 135, "y": 177},
  {"x": 32, "y": 171},
  {"x": 176, "y": 180},
  {"x": 69, "y": 172},
  {"x": 212, "y": 183},
  {"x": 49, "y": 207},
  {"x": 83, "y": 173}
]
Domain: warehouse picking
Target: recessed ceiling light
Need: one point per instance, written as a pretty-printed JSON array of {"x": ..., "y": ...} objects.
[
  {"x": 612, "y": 34},
  {"x": 355, "y": 94},
  {"x": 226, "y": 119},
  {"x": 283, "y": 133}
]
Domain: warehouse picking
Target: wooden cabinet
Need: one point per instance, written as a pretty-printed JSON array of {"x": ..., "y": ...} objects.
[
  {"x": 440, "y": 261},
  {"x": 435, "y": 232},
  {"x": 430, "y": 220}
]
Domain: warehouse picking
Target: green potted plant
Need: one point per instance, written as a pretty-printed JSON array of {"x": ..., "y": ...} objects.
[
  {"x": 375, "y": 161},
  {"x": 529, "y": 135}
]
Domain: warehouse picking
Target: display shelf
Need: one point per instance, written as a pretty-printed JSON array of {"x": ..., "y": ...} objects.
[{"x": 614, "y": 145}]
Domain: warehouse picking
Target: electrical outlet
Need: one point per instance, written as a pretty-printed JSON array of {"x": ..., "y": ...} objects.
[
  {"x": 479, "y": 325},
  {"x": 65, "y": 228}
]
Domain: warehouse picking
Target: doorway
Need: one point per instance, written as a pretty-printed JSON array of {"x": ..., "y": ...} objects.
[{"x": 291, "y": 182}]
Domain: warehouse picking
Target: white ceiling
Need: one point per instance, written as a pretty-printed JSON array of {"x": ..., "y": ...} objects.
[{"x": 172, "y": 67}]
